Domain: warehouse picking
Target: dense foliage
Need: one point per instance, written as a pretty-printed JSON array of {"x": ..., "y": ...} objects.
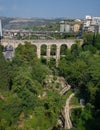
[
  {"x": 81, "y": 68},
  {"x": 25, "y": 102},
  {"x": 28, "y": 102},
  {"x": 3, "y": 71}
]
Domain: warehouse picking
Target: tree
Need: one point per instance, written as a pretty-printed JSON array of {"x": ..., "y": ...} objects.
[
  {"x": 63, "y": 50},
  {"x": 39, "y": 72},
  {"x": 25, "y": 54},
  {"x": 43, "y": 50},
  {"x": 75, "y": 50},
  {"x": 53, "y": 50},
  {"x": 4, "y": 78},
  {"x": 97, "y": 41},
  {"x": 88, "y": 39}
]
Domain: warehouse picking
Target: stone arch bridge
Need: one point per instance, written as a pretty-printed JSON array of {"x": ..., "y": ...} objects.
[{"x": 39, "y": 43}]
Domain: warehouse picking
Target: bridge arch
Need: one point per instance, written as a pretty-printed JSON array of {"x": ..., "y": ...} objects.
[
  {"x": 53, "y": 49},
  {"x": 63, "y": 49},
  {"x": 43, "y": 50}
]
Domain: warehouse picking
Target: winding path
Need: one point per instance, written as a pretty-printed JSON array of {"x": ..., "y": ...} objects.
[
  {"x": 68, "y": 123},
  {"x": 64, "y": 90},
  {"x": 67, "y": 108}
]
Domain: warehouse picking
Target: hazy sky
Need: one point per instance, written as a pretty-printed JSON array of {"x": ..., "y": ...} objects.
[{"x": 49, "y": 8}]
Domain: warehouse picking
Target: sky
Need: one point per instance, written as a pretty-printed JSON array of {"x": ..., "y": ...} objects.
[{"x": 49, "y": 8}]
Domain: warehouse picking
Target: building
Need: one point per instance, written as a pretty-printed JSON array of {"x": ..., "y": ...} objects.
[
  {"x": 76, "y": 27},
  {"x": 87, "y": 21},
  {"x": 70, "y": 26},
  {"x": 91, "y": 24},
  {"x": 95, "y": 21},
  {"x": 8, "y": 52}
]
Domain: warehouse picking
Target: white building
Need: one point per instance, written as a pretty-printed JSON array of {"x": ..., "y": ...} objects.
[
  {"x": 87, "y": 21},
  {"x": 92, "y": 24},
  {"x": 95, "y": 21}
]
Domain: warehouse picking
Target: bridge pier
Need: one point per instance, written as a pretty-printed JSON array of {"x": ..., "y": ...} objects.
[
  {"x": 48, "y": 52},
  {"x": 39, "y": 51},
  {"x": 57, "y": 55}
]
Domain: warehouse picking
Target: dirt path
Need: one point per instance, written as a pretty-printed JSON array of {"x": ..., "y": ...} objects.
[
  {"x": 64, "y": 90},
  {"x": 68, "y": 123}
]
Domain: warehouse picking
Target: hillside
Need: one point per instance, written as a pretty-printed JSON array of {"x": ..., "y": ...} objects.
[{"x": 19, "y": 23}]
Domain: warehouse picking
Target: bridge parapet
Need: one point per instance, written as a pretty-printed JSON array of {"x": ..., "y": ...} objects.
[{"x": 38, "y": 42}]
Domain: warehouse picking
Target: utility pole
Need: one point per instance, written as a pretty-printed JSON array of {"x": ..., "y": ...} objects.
[{"x": 0, "y": 31}]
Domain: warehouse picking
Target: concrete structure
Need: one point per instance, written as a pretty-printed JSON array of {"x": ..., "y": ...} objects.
[
  {"x": 92, "y": 24},
  {"x": 62, "y": 26},
  {"x": 0, "y": 29},
  {"x": 39, "y": 43},
  {"x": 67, "y": 28}
]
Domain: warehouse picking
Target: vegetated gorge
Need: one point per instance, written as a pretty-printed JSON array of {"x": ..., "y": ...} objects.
[{"x": 31, "y": 96}]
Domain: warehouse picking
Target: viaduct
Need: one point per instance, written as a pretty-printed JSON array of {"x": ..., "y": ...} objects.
[{"x": 39, "y": 43}]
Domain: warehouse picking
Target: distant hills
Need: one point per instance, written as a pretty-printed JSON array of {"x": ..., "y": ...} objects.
[{"x": 20, "y": 23}]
